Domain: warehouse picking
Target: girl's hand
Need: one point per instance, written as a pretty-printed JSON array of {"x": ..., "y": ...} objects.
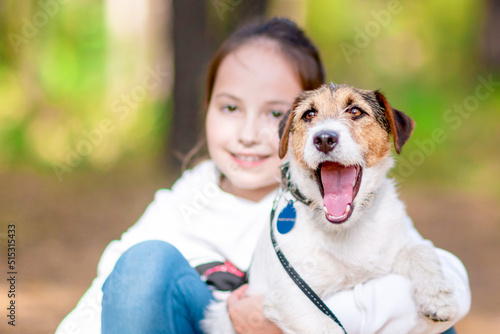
[{"x": 246, "y": 313}]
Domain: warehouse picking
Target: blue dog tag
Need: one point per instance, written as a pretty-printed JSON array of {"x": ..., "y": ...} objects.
[{"x": 286, "y": 218}]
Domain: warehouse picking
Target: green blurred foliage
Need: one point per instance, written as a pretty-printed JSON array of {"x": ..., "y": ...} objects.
[
  {"x": 424, "y": 55},
  {"x": 54, "y": 75}
]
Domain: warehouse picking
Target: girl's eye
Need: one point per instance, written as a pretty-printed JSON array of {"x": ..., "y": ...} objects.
[
  {"x": 230, "y": 108},
  {"x": 276, "y": 113},
  {"x": 309, "y": 115},
  {"x": 356, "y": 112}
]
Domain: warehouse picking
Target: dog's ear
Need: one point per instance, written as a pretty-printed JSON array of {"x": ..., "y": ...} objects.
[
  {"x": 400, "y": 124},
  {"x": 286, "y": 124},
  {"x": 284, "y": 132}
]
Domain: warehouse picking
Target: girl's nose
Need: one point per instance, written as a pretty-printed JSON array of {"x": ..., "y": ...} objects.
[{"x": 249, "y": 132}]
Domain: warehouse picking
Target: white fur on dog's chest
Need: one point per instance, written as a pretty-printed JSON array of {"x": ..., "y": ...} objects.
[{"x": 330, "y": 263}]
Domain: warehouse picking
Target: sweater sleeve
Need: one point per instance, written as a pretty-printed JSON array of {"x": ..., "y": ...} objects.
[
  {"x": 385, "y": 304},
  {"x": 86, "y": 316}
]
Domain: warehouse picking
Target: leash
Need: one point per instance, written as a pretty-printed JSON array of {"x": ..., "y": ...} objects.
[{"x": 303, "y": 286}]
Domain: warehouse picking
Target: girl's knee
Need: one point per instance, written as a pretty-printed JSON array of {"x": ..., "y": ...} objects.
[
  {"x": 144, "y": 270},
  {"x": 147, "y": 263},
  {"x": 152, "y": 280},
  {"x": 150, "y": 252}
]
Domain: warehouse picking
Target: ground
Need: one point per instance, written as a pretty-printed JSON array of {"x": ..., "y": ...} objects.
[{"x": 63, "y": 227}]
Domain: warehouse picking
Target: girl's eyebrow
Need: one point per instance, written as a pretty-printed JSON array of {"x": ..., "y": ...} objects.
[
  {"x": 272, "y": 102},
  {"x": 278, "y": 102},
  {"x": 227, "y": 95}
]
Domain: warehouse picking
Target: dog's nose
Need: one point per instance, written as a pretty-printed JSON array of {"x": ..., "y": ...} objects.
[{"x": 325, "y": 141}]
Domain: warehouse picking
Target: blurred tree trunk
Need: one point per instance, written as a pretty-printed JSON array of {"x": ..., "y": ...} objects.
[
  {"x": 189, "y": 25},
  {"x": 199, "y": 26},
  {"x": 491, "y": 37}
]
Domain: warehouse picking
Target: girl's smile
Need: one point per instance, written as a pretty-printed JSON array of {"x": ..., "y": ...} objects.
[{"x": 249, "y": 160}]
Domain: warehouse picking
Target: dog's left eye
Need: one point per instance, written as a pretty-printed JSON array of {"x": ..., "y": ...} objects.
[{"x": 356, "y": 112}]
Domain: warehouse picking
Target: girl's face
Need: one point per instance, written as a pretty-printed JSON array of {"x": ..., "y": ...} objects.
[{"x": 254, "y": 87}]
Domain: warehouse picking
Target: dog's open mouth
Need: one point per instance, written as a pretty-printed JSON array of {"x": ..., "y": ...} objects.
[{"x": 339, "y": 186}]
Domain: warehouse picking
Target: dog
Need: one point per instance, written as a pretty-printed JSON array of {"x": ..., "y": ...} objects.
[{"x": 350, "y": 226}]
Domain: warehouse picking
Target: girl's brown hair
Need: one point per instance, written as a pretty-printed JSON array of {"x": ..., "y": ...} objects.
[{"x": 292, "y": 42}]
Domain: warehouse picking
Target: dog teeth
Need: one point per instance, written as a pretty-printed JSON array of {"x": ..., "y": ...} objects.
[
  {"x": 326, "y": 210},
  {"x": 345, "y": 214},
  {"x": 347, "y": 210}
]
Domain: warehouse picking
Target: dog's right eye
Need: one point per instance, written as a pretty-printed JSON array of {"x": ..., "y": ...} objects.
[{"x": 309, "y": 115}]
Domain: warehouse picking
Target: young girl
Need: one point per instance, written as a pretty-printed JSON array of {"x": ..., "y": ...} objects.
[{"x": 195, "y": 242}]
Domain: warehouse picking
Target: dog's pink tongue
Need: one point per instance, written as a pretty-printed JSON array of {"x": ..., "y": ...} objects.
[{"x": 338, "y": 186}]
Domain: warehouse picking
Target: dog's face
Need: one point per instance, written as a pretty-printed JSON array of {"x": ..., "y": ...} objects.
[{"x": 340, "y": 136}]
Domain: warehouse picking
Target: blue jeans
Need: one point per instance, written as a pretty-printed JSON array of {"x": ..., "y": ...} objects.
[{"x": 153, "y": 289}]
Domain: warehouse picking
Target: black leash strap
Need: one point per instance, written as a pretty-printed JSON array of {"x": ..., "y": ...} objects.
[{"x": 306, "y": 289}]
